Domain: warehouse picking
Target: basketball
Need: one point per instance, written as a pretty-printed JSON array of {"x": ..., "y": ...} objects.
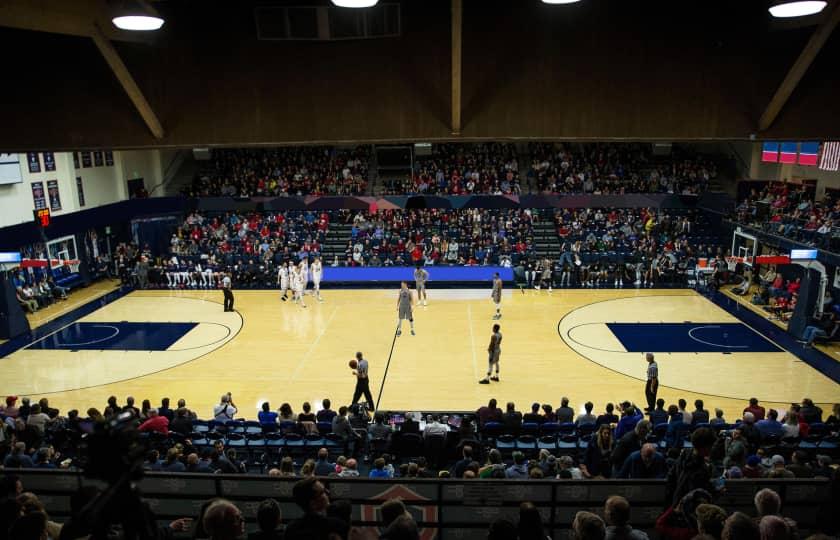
[{"x": 354, "y": 364}]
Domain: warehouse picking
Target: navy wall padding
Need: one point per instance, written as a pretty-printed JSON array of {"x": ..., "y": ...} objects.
[
  {"x": 13, "y": 321},
  {"x": 809, "y": 295},
  {"x": 15, "y": 236}
]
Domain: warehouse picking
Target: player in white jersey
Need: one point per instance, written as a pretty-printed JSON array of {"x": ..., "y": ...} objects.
[
  {"x": 317, "y": 273},
  {"x": 300, "y": 282},
  {"x": 283, "y": 280},
  {"x": 304, "y": 273},
  {"x": 207, "y": 275}
]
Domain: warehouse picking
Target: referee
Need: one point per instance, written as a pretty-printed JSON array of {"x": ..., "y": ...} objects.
[
  {"x": 362, "y": 382},
  {"x": 226, "y": 290},
  {"x": 652, "y": 384}
]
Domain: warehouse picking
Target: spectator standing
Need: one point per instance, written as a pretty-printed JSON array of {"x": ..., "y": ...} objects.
[
  {"x": 225, "y": 410},
  {"x": 652, "y": 383}
]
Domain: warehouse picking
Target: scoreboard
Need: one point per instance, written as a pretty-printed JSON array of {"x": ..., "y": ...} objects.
[{"x": 42, "y": 217}]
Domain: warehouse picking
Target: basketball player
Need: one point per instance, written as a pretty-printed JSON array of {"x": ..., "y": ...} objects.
[
  {"x": 317, "y": 273},
  {"x": 228, "y": 293},
  {"x": 283, "y": 280},
  {"x": 304, "y": 274},
  {"x": 420, "y": 278},
  {"x": 299, "y": 283},
  {"x": 404, "y": 303},
  {"x": 362, "y": 382},
  {"x": 496, "y": 295},
  {"x": 494, "y": 350}
]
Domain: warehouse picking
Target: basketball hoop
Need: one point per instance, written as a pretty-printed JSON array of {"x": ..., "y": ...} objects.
[{"x": 732, "y": 262}]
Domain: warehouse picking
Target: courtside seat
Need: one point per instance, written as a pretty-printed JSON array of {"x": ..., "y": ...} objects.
[
  {"x": 529, "y": 428},
  {"x": 527, "y": 444},
  {"x": 505, "y": 444},
  {"x": 63, "y": 277},
  {"x": 547, "y": 442},
  {"x": 491, "y": 431},
  {"x": 236, "y": 440}
]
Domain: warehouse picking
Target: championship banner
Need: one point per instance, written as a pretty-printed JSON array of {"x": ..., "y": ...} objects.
[
  {"x": 49, "y": 161},
  {"x": 55, "y": 198},
  {"x": 80, "y": 189},
  {"x": 34, "y": 162},
  {"x": 109, "y": 158},
  {"x": 38, "y": 196},
  {"x": 97, "y": 159},
  {"x": 86, "y": 162}
]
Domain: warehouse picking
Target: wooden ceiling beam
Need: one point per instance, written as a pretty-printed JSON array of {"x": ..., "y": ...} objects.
[
  {"x": 797, "y": 71},
  {"x": 457, "y": 19},
  {"x": 127, "y": 81}
]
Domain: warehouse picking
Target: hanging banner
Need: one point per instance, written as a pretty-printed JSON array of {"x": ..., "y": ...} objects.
[
  {"x": 97, "y": 159},
  {"x": 75, "y": 160},
  {"x": 86, "y": 159},
  {"x": 55, "y": 198},
  {"x": 34, "y": 162},
  {"x": 49, "y": 161},
  {"x": 80, "y": 189},
  {"x": 38, "y": 196},
  {"x": 109, "y": 158}
]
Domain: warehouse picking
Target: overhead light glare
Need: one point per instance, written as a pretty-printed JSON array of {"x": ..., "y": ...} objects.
[
  {"x": 141, "y": 23},
  {"x": 796, "y": 8},
  {"x": 355, "y": 3},
  {"x": 560, "y": 1}
]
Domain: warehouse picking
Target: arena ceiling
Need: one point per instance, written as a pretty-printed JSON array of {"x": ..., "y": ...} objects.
[{"x": 600, "y": 69}]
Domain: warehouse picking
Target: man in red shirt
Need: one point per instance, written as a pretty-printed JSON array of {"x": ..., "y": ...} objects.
[
  {"x": 156, "y": 423},
  {"x": 756, "y": 409}
]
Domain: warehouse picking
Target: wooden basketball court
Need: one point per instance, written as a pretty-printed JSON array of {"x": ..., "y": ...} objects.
[{"x": 584, "y": 344}]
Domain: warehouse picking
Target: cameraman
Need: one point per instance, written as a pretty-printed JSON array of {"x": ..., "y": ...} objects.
[{"x": 225, "y": 410}]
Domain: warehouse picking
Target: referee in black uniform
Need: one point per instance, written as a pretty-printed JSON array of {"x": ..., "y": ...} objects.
[
  {"x": 362, "y": 382},
  {"x": 226, "y": 290},
  {"x": 652, "y": 384}
]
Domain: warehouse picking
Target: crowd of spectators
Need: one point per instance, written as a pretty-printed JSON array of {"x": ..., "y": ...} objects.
[
  {"x": 791, "y": 211},
  {"x": 461, "y": 169},
  {"x": 612, "y": 168},
  {"x": 619, "y": 442},
  {"x": 595, "y": 245},
  {"x": 272, "y": 172},
  {"x": 561, "y": 168},
  {"x": 617, "y": 246},
  {"x": 435, "y": 237}
]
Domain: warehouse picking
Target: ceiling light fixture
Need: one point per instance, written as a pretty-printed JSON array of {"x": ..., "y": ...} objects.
[
  {"x": 355, "y": 3},
  {"x": 560, "y": 1},
  {"x": 136, "y": 15},
  {"x": 796, "y": 8}
]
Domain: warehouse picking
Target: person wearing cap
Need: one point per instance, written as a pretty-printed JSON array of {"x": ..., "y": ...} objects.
[
  {"x": 753, "y": 468},
  {"x": 777, "y": 468},
  {"x": 10, "y": 410},
  {"x": 733, "y": 473}
]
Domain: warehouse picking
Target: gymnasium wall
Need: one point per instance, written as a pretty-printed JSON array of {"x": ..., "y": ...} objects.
[
  {"x": 750, "y": 153},
  {"x": 101, "y": 185},
  {"x": 596, "y": 70}
]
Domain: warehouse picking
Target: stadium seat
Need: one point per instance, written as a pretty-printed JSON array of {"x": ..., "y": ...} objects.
[
  {"x": 547, "y": 442},
  {"x": 527, "y": 444}
]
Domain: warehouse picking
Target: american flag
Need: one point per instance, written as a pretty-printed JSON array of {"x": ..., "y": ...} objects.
[{"x": 830, "y": 159}]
